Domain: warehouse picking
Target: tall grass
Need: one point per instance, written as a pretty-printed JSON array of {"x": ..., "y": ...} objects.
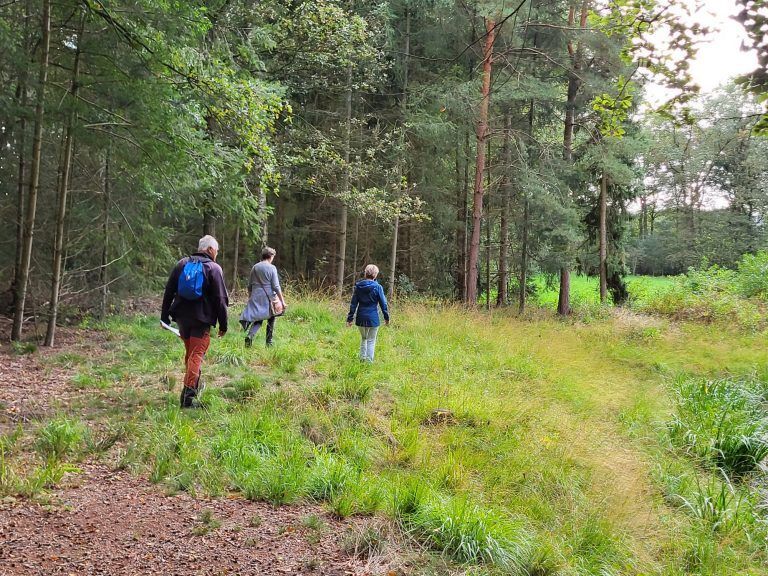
[
  {"x": 61, "y": 437},
  {"x": 540, "y": 468},
  {"x": 721, "y": 422}
]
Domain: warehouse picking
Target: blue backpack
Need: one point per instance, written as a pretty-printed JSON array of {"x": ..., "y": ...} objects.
[{"x": 191, "y": 280}]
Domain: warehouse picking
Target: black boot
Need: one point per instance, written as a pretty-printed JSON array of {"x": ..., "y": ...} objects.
[
  {"x": 188, "y": 396},
  {"x": 270, "y": 331}
]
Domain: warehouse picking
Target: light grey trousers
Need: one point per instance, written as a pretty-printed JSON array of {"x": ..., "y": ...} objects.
[{"x": 367, "y": 342}]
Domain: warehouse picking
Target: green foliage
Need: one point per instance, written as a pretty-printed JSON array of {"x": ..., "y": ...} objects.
[
  {"x": 22, "y": 348},
  {"x": 710, "y": 294},
  {"x": 751, "y": 278}
]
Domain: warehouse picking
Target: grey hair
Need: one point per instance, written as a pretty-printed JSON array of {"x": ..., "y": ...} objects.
[
  {"x": 267, "y": 252},
  {"x": 206, "y": 242},
  {"x": 371, "y": 271}
]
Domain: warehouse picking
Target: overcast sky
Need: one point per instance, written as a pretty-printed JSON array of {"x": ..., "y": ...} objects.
[{"x": 720, "y": 57}]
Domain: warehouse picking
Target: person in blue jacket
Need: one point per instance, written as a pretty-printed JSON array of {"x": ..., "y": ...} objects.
[{"x": 364, "y": 311}]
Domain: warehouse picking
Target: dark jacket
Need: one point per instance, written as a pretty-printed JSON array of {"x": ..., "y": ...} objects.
[
  {"x": 366, "y": 299},
  {"x": 208, "y": 310}
]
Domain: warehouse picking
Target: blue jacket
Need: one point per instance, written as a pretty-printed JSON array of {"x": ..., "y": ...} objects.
[{"x": 366, "y": 299}]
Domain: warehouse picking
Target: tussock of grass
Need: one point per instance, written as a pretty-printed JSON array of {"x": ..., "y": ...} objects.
[
  {"x": 61, "y": 437},
  {"x": 461, "y": 530},
  {"x": 366, "y": 541},
  {"x": 329, "y": 477},
  {"x": 721, "y": 422},
  {"x": 22, "y": 348},
  {"x": 69, "y": 359}
]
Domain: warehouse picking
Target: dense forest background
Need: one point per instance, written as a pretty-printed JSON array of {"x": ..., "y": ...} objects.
[{"x": 464, "y": 146}]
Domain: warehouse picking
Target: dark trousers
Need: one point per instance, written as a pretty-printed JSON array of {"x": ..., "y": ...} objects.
[{"x": 255, "y": 326}]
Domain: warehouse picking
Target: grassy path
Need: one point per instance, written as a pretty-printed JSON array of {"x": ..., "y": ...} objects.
[{"x": 514, "y": 444}]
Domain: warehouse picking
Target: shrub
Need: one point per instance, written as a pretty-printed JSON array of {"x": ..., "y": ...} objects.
[
  {"x": 712, "y": 294},
  {"x": 22, "y": 348},
  {"x": 752, "y": 278}
]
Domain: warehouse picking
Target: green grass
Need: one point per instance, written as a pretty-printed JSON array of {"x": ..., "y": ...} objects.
[
  {"x": 585, "y": 290},
  {"x": 569, "y": 448}
]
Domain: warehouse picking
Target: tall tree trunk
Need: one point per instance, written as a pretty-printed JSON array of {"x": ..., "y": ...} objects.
[
  {"x": 574, "y": 83},
  {"x": 264, "y": 218},
  {"x": 341, "y": 254},
  {"x": 236, "y": 256},
  {"x": 393, "y": 259},
  {"x": 356, "y": 246},
  {"x": 209, "y": 223},
  {"x": 603, "y": 238},
  {"x": 37, "y": 145},
  {"x": 65, "y": 171},
  {"x": 20, "y": 187},
  {"x": 403, "y": 113},
  {"x": 104, "y": 271},
  {"x": 563, "y": 299},
  {"x": 465, "y": 220},
  {"x": 523, "y": 280},
  {"x": 506, "y": 192},
  {"x": 488, "y": 226},
  {"x": 482, "y": 136},
  {"x": 460, "y": 237},
  {"x": 523, "y": 256}
]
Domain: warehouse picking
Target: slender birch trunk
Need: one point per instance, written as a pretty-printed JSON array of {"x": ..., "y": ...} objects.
[
  {"x": 393, "y": 259},
  {"x": 341, "y": 254}
]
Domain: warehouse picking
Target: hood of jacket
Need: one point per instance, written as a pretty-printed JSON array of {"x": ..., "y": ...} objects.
[{"x": 366, "y": 289}]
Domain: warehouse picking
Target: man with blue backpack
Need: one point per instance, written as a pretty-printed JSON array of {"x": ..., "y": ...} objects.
[{"x": 196, "y": 298}]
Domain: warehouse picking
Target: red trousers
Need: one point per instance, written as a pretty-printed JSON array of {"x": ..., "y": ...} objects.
[{"x": 196, "y": 349}]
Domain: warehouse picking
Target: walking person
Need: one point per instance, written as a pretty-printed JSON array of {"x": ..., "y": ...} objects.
[
  {"x": 196, "y": 298},
  {"x": 265, "y": 298},
  {"x": 364, "y": 310}
]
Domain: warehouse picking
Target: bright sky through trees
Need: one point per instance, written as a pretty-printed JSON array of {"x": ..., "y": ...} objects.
[{"x": 720, "y": 57}]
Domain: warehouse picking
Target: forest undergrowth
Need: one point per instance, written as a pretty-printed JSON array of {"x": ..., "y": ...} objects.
[{"x": 624, "y": 445}]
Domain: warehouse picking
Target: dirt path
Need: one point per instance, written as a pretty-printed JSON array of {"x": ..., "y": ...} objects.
[
  {"x": 101, "y": 521},
  {"x": 32, "y": 387},
  {"x": 113, "y": 523}
]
